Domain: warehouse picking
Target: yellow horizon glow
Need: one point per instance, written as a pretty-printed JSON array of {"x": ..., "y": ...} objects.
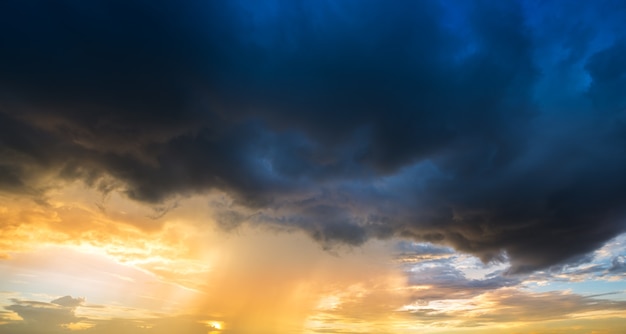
[{"x": 145, "y": 273}]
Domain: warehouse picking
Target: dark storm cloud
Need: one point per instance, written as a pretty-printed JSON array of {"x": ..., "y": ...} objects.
[
  {"x": 444, "y": 122},
  {"x": 608, "y": 70}
]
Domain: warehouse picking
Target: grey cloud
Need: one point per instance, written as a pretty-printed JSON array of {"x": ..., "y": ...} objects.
[
  {"x": 41, "y": 317},
  {"x": 68, "y": 301},
  {"x": 618, "y": 264},
  {"x": 48, "y": 318},
  {"x": 446, "y": 281}
]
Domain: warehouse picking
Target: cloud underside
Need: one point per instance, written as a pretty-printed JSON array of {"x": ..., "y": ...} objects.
[{"x": 347, "y": 121}]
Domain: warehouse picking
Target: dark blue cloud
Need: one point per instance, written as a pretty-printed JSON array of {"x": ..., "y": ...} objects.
[{"x": 498, "y": 129}]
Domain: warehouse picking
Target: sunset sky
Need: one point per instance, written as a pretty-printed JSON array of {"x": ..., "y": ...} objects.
[{"x": 312, "y": 166}]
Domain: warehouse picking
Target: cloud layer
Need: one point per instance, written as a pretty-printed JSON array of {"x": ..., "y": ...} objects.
[{"x": 497, "y": 129}]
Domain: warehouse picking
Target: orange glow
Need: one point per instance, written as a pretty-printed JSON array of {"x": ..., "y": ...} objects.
[{"x": 138, "y": 273}]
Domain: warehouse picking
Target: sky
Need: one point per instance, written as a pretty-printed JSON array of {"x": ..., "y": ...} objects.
[{"x": 312, "y": 166}]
